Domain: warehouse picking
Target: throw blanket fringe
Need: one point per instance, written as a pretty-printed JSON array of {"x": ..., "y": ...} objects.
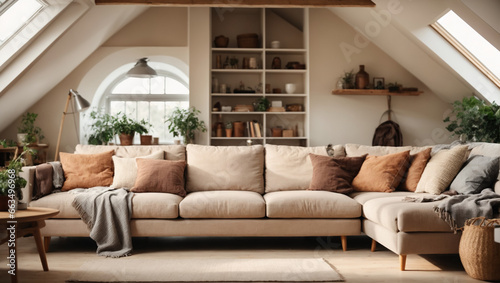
[
  {"x": 107, "y": 213},
  {"x": 457, "y": 209},
  {"x": 424, "y": 199}
]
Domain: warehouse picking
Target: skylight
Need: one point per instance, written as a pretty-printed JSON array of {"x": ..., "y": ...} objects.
[
  {"x": 16, "y": 14},
  {"x": 471, "y": 44}
]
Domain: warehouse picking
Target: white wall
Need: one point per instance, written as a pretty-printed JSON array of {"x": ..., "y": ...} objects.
[{"x": 353, "y": 119}]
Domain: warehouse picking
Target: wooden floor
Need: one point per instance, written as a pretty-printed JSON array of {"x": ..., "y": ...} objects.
[{"x": 357, "y": 264}]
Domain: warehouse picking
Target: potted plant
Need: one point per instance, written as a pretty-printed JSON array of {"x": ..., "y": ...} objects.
[
  {"x": 262, "y": 104},
  {"x": 102, "y": 128},
  {"x": 472, "y": 119},
  {"x": 348, "y": 80},
  {"x": 11, "y": 183},
  {"x": 7, "y": 143},
  {"x": 229, "y": 129},
  {"x": 145, "y": 138},
  {"x": 28, "y": 133},
  {"x": 126, "y": 128},
  {"x": 185, "y": 123},
  {"x": 394, "y": 87}
]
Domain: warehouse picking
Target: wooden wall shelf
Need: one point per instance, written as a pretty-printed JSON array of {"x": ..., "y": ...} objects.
[{"x": 374, "y": 92}]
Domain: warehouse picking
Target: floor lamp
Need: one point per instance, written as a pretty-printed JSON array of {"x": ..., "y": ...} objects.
[{"x": 81, "y": 104}]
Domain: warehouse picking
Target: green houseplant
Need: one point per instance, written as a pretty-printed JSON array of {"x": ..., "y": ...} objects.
[
  {"x": 28, "y": 133},
  {"x": 126, "y": 128},
  {"x": 348, "y": 80},
  {"x": 473, "y": 119},
  {"x": 102, "y": 130},
  {"x": 185, "y": 123},
  {"x": 11, "y": 183}
]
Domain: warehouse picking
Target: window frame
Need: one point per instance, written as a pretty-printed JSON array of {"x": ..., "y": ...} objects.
[{"x": 465, "y": 52}]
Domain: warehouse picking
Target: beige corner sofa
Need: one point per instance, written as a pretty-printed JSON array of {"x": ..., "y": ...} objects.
[{"x": 262, "y": 191}]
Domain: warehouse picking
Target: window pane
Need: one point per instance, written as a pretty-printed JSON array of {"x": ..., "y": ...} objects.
[
  {"x": 132, "y": 86},
  {"x": 16, "y": 16},
  {"x": 116, "y": 107},
  {"x": 175, "y": 87},
  {"x": 158, "y": 85},
  {"x": 131, "y": 109},
  {"x": 157, "y": 114},
  {"x": 472, "y": 41}
]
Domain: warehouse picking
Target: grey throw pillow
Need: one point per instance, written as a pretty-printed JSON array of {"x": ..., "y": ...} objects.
[{"x": 479, "y": 172}]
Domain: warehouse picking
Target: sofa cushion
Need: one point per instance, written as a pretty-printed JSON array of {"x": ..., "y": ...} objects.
[
  {"x": 289, "y": 167},
  {"x": 479, "y": 172},
  {"x": 390, "y": 211},
  {"x": 310, "y": 204},
  {"x": 172, "y": 152},
  {"x": 382, "y": 173},
  {"x": 441, "y": 170},
  {"x": 223, "y": 204},
  {"x": 218, "y": 168},
  {"x": 418, "y": 162},
  {"x": 126, "y": 169},
  {"x": 486, "y": 149},
  {"x": 358, "y": 150},
  {"x": 87, "y": 170},
  {"x": 146, "y": 205},
  {"x": 162, "y": 176},
  {"x": 334, "y": 174}
]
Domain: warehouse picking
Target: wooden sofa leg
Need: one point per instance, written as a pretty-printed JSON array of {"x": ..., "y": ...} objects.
[
  {"x": 343, "y": 239},
  {"x": 374, "y": 245},
  {"x": 46, "y": 243},
  {"x": 402, "y": 262}
]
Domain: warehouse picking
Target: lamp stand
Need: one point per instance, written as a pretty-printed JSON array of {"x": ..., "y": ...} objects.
[{"x": 61, "y": 126}]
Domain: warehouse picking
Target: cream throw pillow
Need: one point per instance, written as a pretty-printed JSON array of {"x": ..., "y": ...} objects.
[
  {"x": 126, "y": 170},
  {"x": 441, "y": 170}
]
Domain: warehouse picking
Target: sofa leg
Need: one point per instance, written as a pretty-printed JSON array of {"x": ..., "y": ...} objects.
[
  {"x": 46, "y": 244},
  {"x": 374, "y": 245},
  {"x": 402, "y": 262},
  {"x": 343, "y": 239}
]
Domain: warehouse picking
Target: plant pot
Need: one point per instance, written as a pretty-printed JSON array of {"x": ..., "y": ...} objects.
[
  {"x": 4, "y": 203},
  {"x": 127, "y": 139},
  {"x": 146, "y": 139},
  {"x": 221, "y": 41},
  {"x": 21, "y": 137},
  {"x": 229, "y": 132}
]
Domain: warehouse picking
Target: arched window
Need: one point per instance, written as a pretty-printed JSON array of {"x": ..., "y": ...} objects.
[{"x": 151, "y": 99}]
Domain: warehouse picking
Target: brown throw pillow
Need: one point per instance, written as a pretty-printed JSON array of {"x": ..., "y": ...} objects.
[
  {"x": 334, "y": 174},
  {"x": 87, "y": 170},
  {"x": 381, "y": 173},
  {"x": 162, "y": 176},
  {"x": 417, "y": 165}
]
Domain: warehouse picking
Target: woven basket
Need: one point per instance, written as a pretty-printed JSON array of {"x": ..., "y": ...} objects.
[
  {"x": 479, "y": 253},
  {"x": 248, "y": 40}
]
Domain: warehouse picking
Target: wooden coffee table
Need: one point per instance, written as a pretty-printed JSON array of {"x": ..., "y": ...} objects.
[{"x": 25, "y": 222}]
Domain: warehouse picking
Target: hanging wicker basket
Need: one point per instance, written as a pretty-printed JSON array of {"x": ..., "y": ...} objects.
[{"x": 479, "y": 253}]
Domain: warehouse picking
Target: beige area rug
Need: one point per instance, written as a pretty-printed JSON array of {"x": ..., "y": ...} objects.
[{"x": 280, "y": 270}]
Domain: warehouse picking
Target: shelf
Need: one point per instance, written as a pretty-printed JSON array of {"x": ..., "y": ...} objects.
[
  {"x": 374, "y": 92},
  {"x": 248, "y": 71},
  {"x": 286, "y": 71},
  {"x": 285, "y": 95},
  {"x": 236, "y": 138},
  {"x": 287, "y": 113},
  {"x": 260, "y": 112},
  {"x": 286, "y": 138},
  {"x": 237, "y": 50},
  {"x": 236, "y": 94},
  {"x": 286, "y": 50}
]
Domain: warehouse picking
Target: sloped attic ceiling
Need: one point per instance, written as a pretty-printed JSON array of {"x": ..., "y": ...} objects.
[
  {"x": 401, "y": 29},
  {"x": 42, "y": 65}
]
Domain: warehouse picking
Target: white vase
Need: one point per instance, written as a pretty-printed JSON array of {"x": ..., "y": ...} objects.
[
  {"x": 21, "y": 137},
  {"x": 290, "y": 88}
]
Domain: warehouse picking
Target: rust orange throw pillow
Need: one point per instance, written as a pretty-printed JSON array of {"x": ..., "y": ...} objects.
[
  {"x": 162, "y": 176},
  {"x": 381, "y": 173},
  {"x": 87, "y": 170},
  {"x": 334, "y": 174},
  {"x": 417, "y": 165}
]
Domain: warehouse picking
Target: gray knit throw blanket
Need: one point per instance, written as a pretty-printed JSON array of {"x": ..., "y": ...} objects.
[
  {"x": 107, "y": 213},
  {"x": 457, "y": 209}
]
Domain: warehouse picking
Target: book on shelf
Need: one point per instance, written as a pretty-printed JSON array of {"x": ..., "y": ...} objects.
[
  {"x": 257, "y": 129},
  {"x": 249, "y": 134},
  {"x": 252, "y": 129}
]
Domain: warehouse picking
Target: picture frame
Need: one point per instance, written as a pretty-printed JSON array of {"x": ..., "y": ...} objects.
[{"x": 378, "y": 83}]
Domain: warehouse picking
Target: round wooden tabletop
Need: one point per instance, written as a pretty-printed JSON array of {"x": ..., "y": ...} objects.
[{"x": 31, "y": 214}]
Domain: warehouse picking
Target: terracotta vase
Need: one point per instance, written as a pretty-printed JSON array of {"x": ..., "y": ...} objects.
[
  {"x": 229, "y": 132},
  {"x": 239, "y": 129},
  {"x": 146, "y": 139},
  {"x": 362, "y": 78},
  {"x": 127, "y": 139}
]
